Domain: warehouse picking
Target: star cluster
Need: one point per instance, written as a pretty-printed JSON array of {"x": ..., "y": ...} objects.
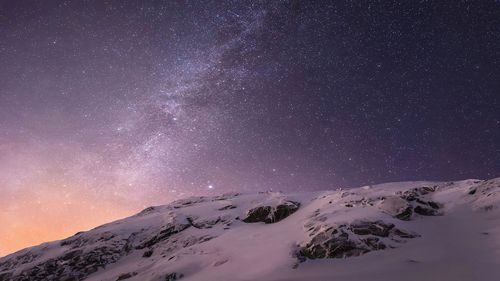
[{"x": 110, "y": 106}]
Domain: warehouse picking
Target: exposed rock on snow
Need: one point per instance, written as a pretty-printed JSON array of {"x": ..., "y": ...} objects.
[
  {"x": 354, "y": 239},
  {"x": 165, "y": 232},
  {"x": 173, "y": 276},
  {"x": 126, "y": 276},
  {"x": 73, "y": 265},
  {"x": 396, "y": 207},
  {"x": 415, "y": 200},
  {"x": 272, "y": 214},
  {"x": 424, "y": 211},
  {"x": 227, "y": 207}
]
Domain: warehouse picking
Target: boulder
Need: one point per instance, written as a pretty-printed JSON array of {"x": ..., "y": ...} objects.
[{"x": 270, "y": 214}]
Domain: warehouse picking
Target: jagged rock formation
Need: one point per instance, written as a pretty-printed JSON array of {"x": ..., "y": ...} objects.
[
  {"x": 353, "y": 239},
  {"x": 272, "y": 214}
]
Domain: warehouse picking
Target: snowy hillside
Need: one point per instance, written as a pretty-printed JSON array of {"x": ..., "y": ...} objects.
[{"x": 396, "y": 231}]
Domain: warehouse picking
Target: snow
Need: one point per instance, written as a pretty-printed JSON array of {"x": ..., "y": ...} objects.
[
  {"x": 393, "y": 205},
  {"x": 209, "y": 241}
]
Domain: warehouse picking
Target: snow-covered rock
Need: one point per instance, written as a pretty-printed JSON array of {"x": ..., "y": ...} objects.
[
  {"x": 355, "y": 239},
  {"x": 394, "y": 231},
  {"x": 272, "y": 214},
  {"x": 396, "y": 207}
]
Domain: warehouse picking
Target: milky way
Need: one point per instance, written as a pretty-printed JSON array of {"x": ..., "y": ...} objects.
[{"x": 110, "y": 106}]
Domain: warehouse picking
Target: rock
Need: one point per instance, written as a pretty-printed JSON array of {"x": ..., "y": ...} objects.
[
  {"x": 405, "y": 215},
  {"x": 404, "y": 234},
  {"x": 226, "y": 196},
  {"x": 258, "y": 214},
  {"x": 352, "y": 240},
  {"x": 417, "y": 202},
  {"x": 220, "y": 262},
  {"x": 425, "y": 211},
  {"x": 173, "y": 276},
  {"x": 396, "y": 207},
  {"x": 228, "y": 207},
  {"x": 268, "y": 214},
  {"x": 146, "y": 211},
  {"x": 377, "y": 228},
  {"x": 167, "y": 231},
  {"x": 433, "y": 205},
  {"x": 5, "y": 276},
  {"x": 414, "y": 193},
  {"x": 335, "y": 245},
  {"x": 488, "y": 208},
  {"x": 284, "y": 210},
  {"x": 201, "y": 223},
  {"x": 126, "y": 276},
  {"x": 147, "y": 253},
  {"x": 73, "y": 265},
  {"x": 69, "y": 278},
  {"x": 374, "y": 243}
]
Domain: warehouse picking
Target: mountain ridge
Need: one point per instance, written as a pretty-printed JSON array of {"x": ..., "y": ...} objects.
[{"x": 287, "y": 236}]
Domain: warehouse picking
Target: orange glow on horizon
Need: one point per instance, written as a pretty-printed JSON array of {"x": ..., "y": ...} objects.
[{"x": 29, "y": 218}]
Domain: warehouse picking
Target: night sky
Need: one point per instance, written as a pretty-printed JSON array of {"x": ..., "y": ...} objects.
[{"x": 110, "y": 106}]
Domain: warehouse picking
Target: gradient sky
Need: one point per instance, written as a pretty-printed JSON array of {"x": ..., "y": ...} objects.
[{"x": 107, "y": 107}]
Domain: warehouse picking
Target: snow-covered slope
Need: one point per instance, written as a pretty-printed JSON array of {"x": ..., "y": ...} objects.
[{"x": 395, "y": 231}]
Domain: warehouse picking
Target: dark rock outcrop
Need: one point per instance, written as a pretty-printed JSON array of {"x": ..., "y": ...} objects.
[
  {"x": 167, "y": 231},
  {"x": 269, "y": 214},
  {"x": 405, "y": 215},
  {"x": 419, "y": 203},
  {"x": 424, "y": 211},
  {"x": 201, "y": 223},
  {"x": 126, "y": 276},
  {"x": 6, "y": 276},
  {"x": 352, "y": 240},
  {"x": 259, "y": 214},
  {"x": 147, "y": 253},
  {"x": 377, "y": 228},
  {"x": 415, "y": 193},
  {"x": 74, "y": 265},
  {"x": 228, "y": 207},
  {"x": 173, "y": 276}
]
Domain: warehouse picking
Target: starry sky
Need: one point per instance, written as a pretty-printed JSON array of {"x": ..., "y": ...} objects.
[{"x": 107, "y": 107}]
